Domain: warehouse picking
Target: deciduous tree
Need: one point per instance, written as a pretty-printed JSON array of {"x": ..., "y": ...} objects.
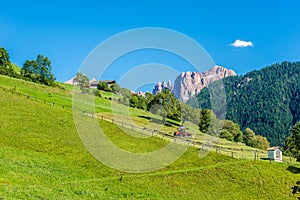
[
  {"x": 293, "y": 142},
  {"x": 249, "y": 137},
  {"x": 234, "y": 130},
  {"x": 104, "y": 86},
  {"x": 5, "y": 64},
  {"x": 261, "y": 142},
  {"x": 170, "y": 106},
  {"x": 83, "y": 82},
  {"x": 226, "y": 135},
  {"x": 39, "y": 70}
]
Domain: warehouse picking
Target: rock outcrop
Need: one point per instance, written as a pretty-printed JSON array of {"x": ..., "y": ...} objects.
[
  {"x": 188, "y": 84},
  {"x": 160, "y": 86}
]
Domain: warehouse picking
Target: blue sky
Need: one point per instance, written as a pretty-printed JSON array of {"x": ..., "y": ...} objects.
[{"x": 66, "y": 31}]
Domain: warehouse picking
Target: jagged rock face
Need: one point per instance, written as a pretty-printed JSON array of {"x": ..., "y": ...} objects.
[
  {"x": 160, "y": 86},
  {"x": 187, "y": 84}
]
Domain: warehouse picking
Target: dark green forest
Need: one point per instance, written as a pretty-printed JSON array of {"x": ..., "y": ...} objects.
[{"x": 266, "y": 100}]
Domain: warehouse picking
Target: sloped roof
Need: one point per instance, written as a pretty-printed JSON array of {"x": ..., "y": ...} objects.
[
  {"x": 274, "y": 148},
  {"x": 71, "y": 81},
  {"x": 93, "y": 80},
  {"x": 108, "y": 81}
]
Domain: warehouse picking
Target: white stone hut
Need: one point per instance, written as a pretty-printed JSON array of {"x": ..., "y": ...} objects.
[{"x": 275, "y": 153}]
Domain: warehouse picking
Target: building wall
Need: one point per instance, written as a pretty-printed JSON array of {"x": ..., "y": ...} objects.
[
  {"x": 279, "y": 153},
  {"x": 271, "y": 155}
]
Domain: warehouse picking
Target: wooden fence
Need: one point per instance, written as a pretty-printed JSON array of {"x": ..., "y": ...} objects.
[{"x": 246, "y": 154}]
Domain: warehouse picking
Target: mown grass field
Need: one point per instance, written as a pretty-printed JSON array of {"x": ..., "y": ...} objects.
[{"x": 42, "y": 157}]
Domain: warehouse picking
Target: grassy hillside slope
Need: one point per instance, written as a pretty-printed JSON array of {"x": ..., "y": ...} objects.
[
  {"x": 62, "y": 96},
  {"x": 42, "y": 157}
]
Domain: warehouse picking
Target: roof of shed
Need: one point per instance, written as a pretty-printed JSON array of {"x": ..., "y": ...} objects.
[{"x": 274, "y": 148}]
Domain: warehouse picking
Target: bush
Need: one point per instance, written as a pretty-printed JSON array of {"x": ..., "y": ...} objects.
[
  {"x": 97, "y": 93},
  {"x": 104, "y": 86},
  {"x": 115, "y": 88},
  {"x": 226, "y": 135},
  {"x": 261, "y": 142}
]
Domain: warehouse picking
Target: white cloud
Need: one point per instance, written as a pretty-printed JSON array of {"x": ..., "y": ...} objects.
[{"x": 241, "y": 43}]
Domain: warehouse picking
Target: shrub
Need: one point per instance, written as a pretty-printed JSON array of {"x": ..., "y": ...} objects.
[
  {"x": 97, "y": 93},
  {"x": 226, "y": 135}
]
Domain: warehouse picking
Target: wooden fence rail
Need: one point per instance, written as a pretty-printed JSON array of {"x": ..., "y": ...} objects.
[{"x": 152, "y": 132}]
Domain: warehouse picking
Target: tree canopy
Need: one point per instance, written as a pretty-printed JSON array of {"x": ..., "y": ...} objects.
[
  {"x": 167, "y": 103},
  {"x": 82, "y": 81},
  {"x": 104, "y": 86},
  {"x": 249, "y": 137},
  {"x": 293, "y": 142},
  {"x": 39, "y": 70},
  {"x": 208, "y": 122},
  {"x": 189, "y": 114},
  {"x": 266, "y": 100},
  {"x": 234, "y": 130},
  {"x": 6, "y": 67}
]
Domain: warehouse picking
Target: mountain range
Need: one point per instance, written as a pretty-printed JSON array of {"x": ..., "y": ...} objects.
[{"x": 188, "y": 84}]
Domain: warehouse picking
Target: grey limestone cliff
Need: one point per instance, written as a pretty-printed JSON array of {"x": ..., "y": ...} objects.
[{"x": 188, "y": 84}]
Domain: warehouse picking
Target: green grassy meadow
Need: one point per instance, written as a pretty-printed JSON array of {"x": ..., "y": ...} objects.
[{"x": 42, "y": 157}]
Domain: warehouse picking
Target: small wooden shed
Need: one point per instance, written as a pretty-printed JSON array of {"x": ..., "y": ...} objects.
[{"x": 275, "y": 153}]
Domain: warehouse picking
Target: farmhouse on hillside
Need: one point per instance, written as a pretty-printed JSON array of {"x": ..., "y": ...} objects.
[
  {"x": 71, "y": 81},
  {"x": 275, "y": 153},
  {"x": 94, "y": 82}
]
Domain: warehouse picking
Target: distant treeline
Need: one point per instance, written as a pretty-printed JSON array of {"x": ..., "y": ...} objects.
[{"x": 266, "y": 100}]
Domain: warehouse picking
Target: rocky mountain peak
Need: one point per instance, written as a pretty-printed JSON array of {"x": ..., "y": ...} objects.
[
  {"x": 161, "y": 85},
  {"x": 188, "y": 84}
]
